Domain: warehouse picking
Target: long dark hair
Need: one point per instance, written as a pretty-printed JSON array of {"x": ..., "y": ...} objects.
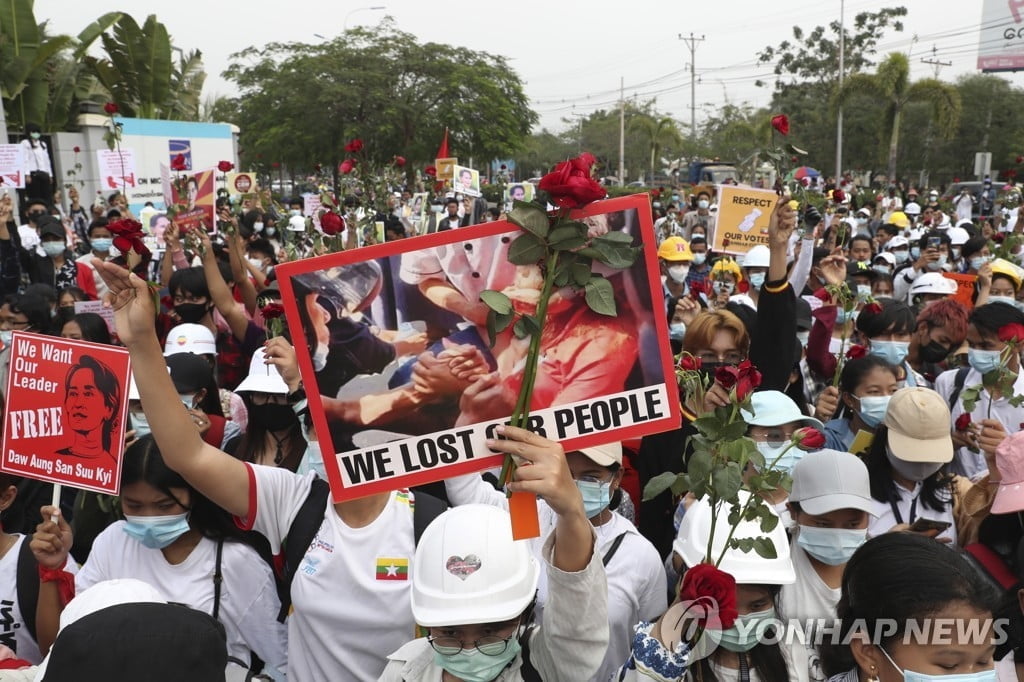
[
  {"x": 93, "y": 327},
  {"x": 253, "y": 444},
  {"x": 853, "y": 373},
  {"x": 766, "y": 659},
  {"x": 936, "y": 493},
  {"x": 900, "y": 578}
]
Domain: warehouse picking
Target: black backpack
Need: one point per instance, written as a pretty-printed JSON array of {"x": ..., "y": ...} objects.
[
  {"x": 28, "y": 585},
  {"x": 310, "y": 517}
]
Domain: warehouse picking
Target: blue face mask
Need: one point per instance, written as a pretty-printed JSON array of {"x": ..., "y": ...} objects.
[
  {"x": 313, "y": 460},
  {"x": 746, "y": 631},
  {"x": 911, "y": 676},
  {"x": 596, "y": 496},
  {"x": 156, "y": 532},
  {"x": 101, "y": 244},
  {"x": 141, "y": 424},
  {"x": 676, "y": 331},
  {"x": 902, "y": 256},
  {"x": 699, "y": 258},
  {"x": 984, "y": 361},
  {"x": 770, "y": 452},
  {"x": 1008, "y": 300},
  {"x": 939, "y": 264},
  {"x": 757, "y": 280},
  {"x": 832, "y": 546},
  {"x": 473, "y": 666},
  {"x": 893, "y": 352},
  {"x": 844, "y": 316},
  {"x": 872, "y": 409},
  {"x": 915, "y": 252},
  {"x": 979, "y": 262}
]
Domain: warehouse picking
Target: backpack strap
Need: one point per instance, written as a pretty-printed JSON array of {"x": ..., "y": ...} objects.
[
  {"x": 218, "y": 579},
  {"x": 958, "y": 385},
  {"x": 28, "y": 586},
  {"x": 300, "y": 535},
  {"x": 614, "y": 548},
  {"x": 528, "y": 672},
  {"x": 425, "y": 509}
]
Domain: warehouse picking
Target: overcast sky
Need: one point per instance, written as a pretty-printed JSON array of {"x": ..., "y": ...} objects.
[{"x": 570, "y": 53}]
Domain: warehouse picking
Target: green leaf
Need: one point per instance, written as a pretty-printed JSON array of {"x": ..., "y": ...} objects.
[
  {"x": 520, "y": 329},
  {"x": 728, "y": 481},
  {"x": 564, "y": 232},
  {"x": 699, "y": 466},
  {"x": 681, "y": 486},
  {"x": 496, "y": 323},
  {"x": 709, "y": 426},
  {"x": 768, "y": 522},
  {"x": 600, "y": 296},
  {"x": 526, "y": 250},
  {"x": 327, "y": 200},
  {"x": 765, "y": 548},
  {"x": 530, "y": 323},
  {"x": 581, "y": 272},
  {"x": 531, "y": 218},
  {"x": 496, "y": 301},
  {"x": 734, "y": 430},
  {"x": 612, "y": 253},
  {"x": 659, "y": 484},
  {"x": 615, "y": 236},
  {"x": 563, "y": 271}
]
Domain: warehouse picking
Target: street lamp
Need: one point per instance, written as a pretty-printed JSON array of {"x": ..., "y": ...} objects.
[{"x": 375, "y": 8}]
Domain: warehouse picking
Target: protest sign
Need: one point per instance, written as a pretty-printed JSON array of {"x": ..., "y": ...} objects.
[
  {"x": 97, "y": 308},
  {"x": 394, "y": 416},
  {"x": 742, "y": 219},
  {"x": 240, "y": 183},
  {"x": 116, "y": 169},
  {"x": 518, "y": 191},
  {"x": 311, "y": 204},
  {"x": 12, "y": 167},
  {"x": 445, "y": 167},
  {"x": 197, "y": 202},
  {"x": 964, "y": 288},
  {"x": 418, "y": 206},
  {"x": 67, "y": 406},
  {"x": 466, "y": 180}
]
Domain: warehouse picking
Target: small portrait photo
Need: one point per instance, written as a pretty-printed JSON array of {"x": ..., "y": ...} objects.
[{"x": 467, "y": 181}]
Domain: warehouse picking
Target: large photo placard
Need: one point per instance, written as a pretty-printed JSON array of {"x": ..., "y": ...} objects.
[{"x": 404, "y": 387}]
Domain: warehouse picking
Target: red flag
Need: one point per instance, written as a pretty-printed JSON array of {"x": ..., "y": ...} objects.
[{"x": 442, "y": 151}]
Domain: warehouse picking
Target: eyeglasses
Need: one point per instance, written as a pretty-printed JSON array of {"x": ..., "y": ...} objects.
[{"x": 492, "y": 645}]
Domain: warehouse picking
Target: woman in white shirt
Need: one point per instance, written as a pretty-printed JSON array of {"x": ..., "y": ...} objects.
[{"x": 38, "y": 170}]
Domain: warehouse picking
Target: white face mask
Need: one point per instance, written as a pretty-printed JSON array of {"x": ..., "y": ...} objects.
[
  {"x": 678, "y": 273},
  {"x": 703, "y": 204},
  {"x": 320, "y": 357},
  {"x": 722, "y": 287},
  {"x": 256, "y": 263},
  {"x": 257, "y": 227}
]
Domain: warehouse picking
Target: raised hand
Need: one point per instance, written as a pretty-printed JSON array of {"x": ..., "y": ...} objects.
[{"x": 130, "y": 297}]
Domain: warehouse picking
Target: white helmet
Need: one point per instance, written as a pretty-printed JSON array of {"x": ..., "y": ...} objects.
[
  {"x": 757, "y": 257},
  {"x": 190, "y": 338},
  {"x": 749, "y": 568},
  {"x": 296, "y": 223},
  {"x": 468, "y": 570}
]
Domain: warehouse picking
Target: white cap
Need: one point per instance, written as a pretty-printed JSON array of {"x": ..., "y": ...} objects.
[
  {"x": 958, "y": 235},
  {"x": 190, "y": 338},
  {"x": 757, "y": 257},
  {"x": 915, "y": 234},
  {"x": 913, "y": 208},
  {"x": 885, "y": 256},
  {"x": 897, "y": 242},
  {"x": 828, "y": 480},
  {"x": 297, "y": 223},
  {"x": 604, "y": 455},
  {"x": 864, "y": 212},
  {"x": 933, "y": 283},
  {"x": 263, "y": 378}
]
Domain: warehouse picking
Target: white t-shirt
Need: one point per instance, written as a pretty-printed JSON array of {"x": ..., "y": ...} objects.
[
  {"x": 36, "y": 158},
  {"x": 884, "y": 519},
  {"x": 13, "y": 633},
  {"x": 249, "y": 605},
  {"x": 806, "y": 600},
  {"x": 347, "y": 616}
]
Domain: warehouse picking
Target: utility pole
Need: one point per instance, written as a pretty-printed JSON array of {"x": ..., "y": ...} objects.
[
  {"x": 839, "y": 119},
  {"x": 622, "y": 131},
  {"x": 579, "y": 134},
  {"x": 691, "y": 43},
  {"x": 934, "y": 61}
]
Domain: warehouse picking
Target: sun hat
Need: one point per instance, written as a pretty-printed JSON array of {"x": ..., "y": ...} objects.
[
  {"x": 775, "y": 408},
  {"x": 1010, "y": 463},
  {"x": 263, "y": 378}
]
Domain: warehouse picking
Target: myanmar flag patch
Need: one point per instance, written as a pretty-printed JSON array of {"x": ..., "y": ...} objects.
[{"x": 389, "y": 568}]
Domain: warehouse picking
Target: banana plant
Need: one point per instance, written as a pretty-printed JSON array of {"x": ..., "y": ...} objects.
[{"x": 24, "y": 53}]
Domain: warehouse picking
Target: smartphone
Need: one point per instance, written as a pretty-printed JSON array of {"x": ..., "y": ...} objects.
[
  {"x": 924, "y": 525},
  {"x": 934, "y": 242}
]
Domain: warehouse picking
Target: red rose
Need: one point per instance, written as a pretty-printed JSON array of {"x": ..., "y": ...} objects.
[
  {"x": 178, "y": 163},
  {"x": 272, "y": 310},
  {"x": 110, "y": 108},
  {"x": 781, "y": 124},
  {"x": 838, "y": 196},
  {"x": 794, "y": 159},
  {"x": 725, "y": 241},
  {"x": 998, "y": 237},
  {"x": 225, "y": 166},
  {"x": 431, "y": 171},
  {"x": 749, "y": 379},
  {"x": 354, "y": 146},
  {"x": 76, "y": 149},
  {"x": 689, "y": 363},
  {"x": 706, "y": 586},
  {"x": 399, "y": 161},
  {"x": 809, "y": 438},
  {"x": 956, "y": 179},
  {"x": 275, "y": 164},
  {"x": 727, "y": 376},
  {"x": 570, "y": 185},
  {"x": 332, "y": 223},
  {"x": 128, "y": 236},
  {"x": 504, "y": 167},
  {"x": 1012, "y": 333},
  {"x": 805, "y": 181},
  {"x": 346, "y": 166},
  {"x": 962, "y": 422},
  {"x": 856, "y": 352},
  {"x": 873, "y": 308}
]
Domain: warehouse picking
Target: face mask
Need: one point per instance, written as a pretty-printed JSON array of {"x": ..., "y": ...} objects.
[
  {"x": 273, "y": 416},
  {"x": 861, "y": 222},
  {"x": 435, "y": 208},
  {"x": 938, "y": 264},
  {"x": 35, "y": 136},
  {"x": 676, "y": 331},
  {"x": 872, "y": 409},
  {"x": 933, "y": 352},
  {"x": 271, "y": 231},
  {"x": 723, "y": 287},
  {"x": 893, "y": 352},
  {"x": 53, "y": 249},
  {"x": 596, "y": 496},
  {"x": 984, "y": 361},
  {"x": 770, "y": 452},
  {"x": 257, "y": 227},
  {"x": 312, "y": 460},
  {"x": 913, "y": 471},
  {"x": 141, "y": 424},
  {"x": 832, "y": 546},
  {"x": 191, "y": 313},
  {"x": 979, "y": 262},
  {"x": 678, "y": 273},
  {"x": 473, "y": 666},
  {"x": 188, "y": 400},
  {"x": 956, "y": 253},
  {"x": 675, "y": 197},
  {"x": 1006, "y": 300},
  {"x": 884, "y": 269},
  {"x": 5, "y": 337},
  {"x": 911, "y": 676},
  {"x": 156, "y": 532},
  {"x": 863, "y": 291},
  {"x": 746, "y": 631},
  {"x": 320, "y": 357},
  {"x": 803, "y": 338},
  {"x": 901, "y": 256},
  {"x": 699, "y": 258},
  {"x": 656, "y": 204},
  {"x": 101, "y": 244},
  {"x": 915, "y": 252},
  {"x": 844, "y": 316},
  {"x": 702, "y": 204},
  {"x": 294, "y": 212},
  {"x": 256, "y": 263},
  {"x": 757, "y": 280}
]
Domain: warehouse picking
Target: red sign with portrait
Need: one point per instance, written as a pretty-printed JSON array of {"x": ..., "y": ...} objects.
[{"x": 67, "y": 404}]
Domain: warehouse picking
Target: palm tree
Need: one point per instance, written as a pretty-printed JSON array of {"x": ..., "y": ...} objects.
[
  {"x": 891, "y": 84},
  {"x": 659, "y": 133}
]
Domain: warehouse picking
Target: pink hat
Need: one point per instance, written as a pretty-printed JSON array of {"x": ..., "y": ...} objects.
[{"x": 1010, "y": 462}]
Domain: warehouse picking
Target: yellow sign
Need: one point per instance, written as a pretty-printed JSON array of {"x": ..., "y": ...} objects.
[
  {"x": 446, "y": 168},
  {"x": 742, "y": 220}
]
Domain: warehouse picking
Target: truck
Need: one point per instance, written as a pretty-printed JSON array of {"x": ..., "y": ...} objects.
[{"x": 712, "y": 173}]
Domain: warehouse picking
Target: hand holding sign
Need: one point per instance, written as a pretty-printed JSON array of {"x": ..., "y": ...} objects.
[{"x": 52, "y": 540}]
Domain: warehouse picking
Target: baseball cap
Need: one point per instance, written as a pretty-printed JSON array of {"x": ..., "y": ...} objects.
[
  {"x": 897, "y": 242},
  {"x": 604, "y": 455},
  {"x": 263, "y": 378},
  {"x": 1010, "y": 463},
  {"x": 675, "y": 249},
  {"x": 189, "y": 372},
  {"x": 958, "y": 235},
  {"x": 828, "y": 480},
  {"x": 864, "y": 212},
  {"x": 913, "y": 208},
  {"x": 933, "y": 283},
  {"x": 918, "y": 421},
  {"x": 886, "y": 257},
  {"x": 190, "y": 338},
  {"x": 50, "y": 226},
  {"x": 775, "y": 408}
]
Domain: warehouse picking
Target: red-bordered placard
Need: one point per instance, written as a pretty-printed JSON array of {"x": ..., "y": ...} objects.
[
  {"x": 397, "y": 418},
  {"x": 65, "y": 412}
]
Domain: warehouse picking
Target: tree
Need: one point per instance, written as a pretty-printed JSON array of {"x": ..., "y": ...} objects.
[
  {"x": 891, "y": 85},
  {"x": 659, "y": 132},
  {"x": 299, "y": 104}
]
